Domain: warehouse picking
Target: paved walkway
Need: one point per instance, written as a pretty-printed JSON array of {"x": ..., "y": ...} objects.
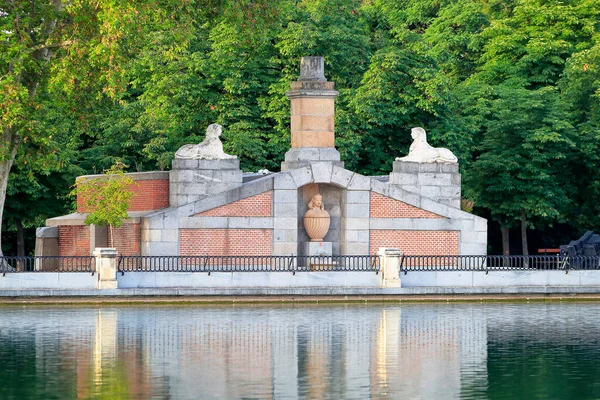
[{"x": 312, "y": 294}]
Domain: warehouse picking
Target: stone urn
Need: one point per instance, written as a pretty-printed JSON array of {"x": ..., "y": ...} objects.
[{"x": 316, "y": 219}]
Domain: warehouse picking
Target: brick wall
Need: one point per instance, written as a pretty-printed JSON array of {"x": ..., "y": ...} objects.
[
  {"x": 430, "y": 243},
  {"x": 74, "y": 240},
  {"x": 386, "y": 207},
  {"x": 151, "y": 194},
  {"x": 225, "y": 242},
  {"x": 126, "y": 239},
  {"x": 254, "y": 206}
]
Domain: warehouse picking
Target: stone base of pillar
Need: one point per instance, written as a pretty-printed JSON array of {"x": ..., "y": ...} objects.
[{"x": 304, "y": 156}]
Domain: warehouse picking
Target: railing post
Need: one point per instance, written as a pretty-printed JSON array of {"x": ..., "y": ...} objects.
[
  {"x": 106, "y": 267},
  {"x": 390, "y": 267}
]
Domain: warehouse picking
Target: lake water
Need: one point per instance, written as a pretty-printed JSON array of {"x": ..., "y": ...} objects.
[{"x": 414, "y": 351}]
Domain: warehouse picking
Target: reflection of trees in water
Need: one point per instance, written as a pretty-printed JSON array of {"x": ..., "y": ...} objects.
[
  {"x": 550, "y": 351},
  {"x": 426, "y": 351}
]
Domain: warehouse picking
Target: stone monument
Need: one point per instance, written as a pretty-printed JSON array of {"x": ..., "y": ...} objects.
[
  {"x": 211, "y": 147},
  {"x": 316, "y": 219},
  {"x": 312, "y": 103},
  {"x": 201, "y": 170},
  {"x": 423, "y": 152},
  {"x": 428, "y": 171},
  {"x": 316, "y": 224}
]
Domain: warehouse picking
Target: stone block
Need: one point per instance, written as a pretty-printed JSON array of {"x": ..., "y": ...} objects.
[
  {"x": 363, "y": 236},
  {"x": 164, "y": 249},
  {"x": 321, "y": 172},
  {"x": 406, "y": 224},
  {"x": 229, "y": 176},
  {"x": 354, "y": 248},
  {"x": 285, "y": 248},
  {"x": 302, "y": 154},
  {"x": 381, "y": 223},
  {"x": 184, "y": 164},
  {"x": 432, "y": 192},
  {"x": 480, "y": 224},
  {"x": 359, "y": 182},
  {"x": 455, "y": 179},
  {"x": 379, "y": 186},
  {"x": 437, "y": 179},
  {"x": 285, "y": 208},
  {"x": 47, "y": 232},
  {"x": 145, "y": 235},
  {"x": 285, "y": 196},
  {"x": 155, "y": 235},
  {"x": 399, "y": 193},
  {"x": 233, "y": 163},
  {"x": 283, "y": 235},
  {"x": 358, "y": 197},
  {"x": 450, "y": 191},
  {"x": 352, "y": 235},
  {"x": 302, "y": 176},
  {"x": 312, "y": 139},
  {"x": 250, "y": 223},
  {"x": 318, "y": 248},
  {"x": 185, "y": 210},
  {"x": 429, "y": 167},
  {"x": 436, "y": 224},
  {"x": 170, "y": 235},
  {"x": 284, "y": 180},
  {"x": 405, "y": 166},
  {"x": 256, "y": 187},
  {"x": 285, "y": 223},
  {"x": 357, "y": 223},
  {"x": 328, "y": 154},
  {"x": 340, "y": 176},
  {"x": 356, "y": 211},
  {"x": 449, "y": 167},
  {"x": 401, "y": 178}
]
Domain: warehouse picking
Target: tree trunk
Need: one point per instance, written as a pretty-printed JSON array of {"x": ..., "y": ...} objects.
[
  {"x": 505, "y": 240},
  {"x": 524, "y": 233},
  {"x": 7, "y": 158},
  {"x": 20, "y": 238},
  {"x": 524, "y": 239}
]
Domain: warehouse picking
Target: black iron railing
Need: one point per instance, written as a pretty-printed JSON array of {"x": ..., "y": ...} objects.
[
  {"x": 247, "y": 263},
  {"x": 47, "y": 264},
  {"x": 494, "y": 263}
]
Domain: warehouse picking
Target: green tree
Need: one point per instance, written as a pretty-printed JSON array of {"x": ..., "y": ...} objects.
[
  {"x": 106, "y": 198},
  {"x": 73, "y": 53}
]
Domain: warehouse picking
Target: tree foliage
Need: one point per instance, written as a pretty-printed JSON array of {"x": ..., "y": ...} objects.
[{"x": 512, "y": 87}]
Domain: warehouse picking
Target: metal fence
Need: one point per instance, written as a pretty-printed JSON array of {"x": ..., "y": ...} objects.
[
  {"x": 10, "y": 264},
  {"x": 47, "y": 264},
  {"x": 247, "y": 263},
  {"x": 497, "y": 263}
]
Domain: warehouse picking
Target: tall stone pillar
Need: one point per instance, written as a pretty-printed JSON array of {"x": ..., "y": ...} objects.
[{"x": 312, "y": 117}]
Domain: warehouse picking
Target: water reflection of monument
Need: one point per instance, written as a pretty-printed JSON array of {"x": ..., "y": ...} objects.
[{"x": 264, "y": 352}]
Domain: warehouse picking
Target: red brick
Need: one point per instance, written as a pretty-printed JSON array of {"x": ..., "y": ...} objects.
[
  {"x": 74, "y": 240},
  {"x": 386, "y": 207},
  {"x": 254, "y": 206},
  {"x": 152, "y": 194},
  {"x": 225, "y": 242},
  {"x": 426, "y": 243},
  {"x": 125, "y": 239}
]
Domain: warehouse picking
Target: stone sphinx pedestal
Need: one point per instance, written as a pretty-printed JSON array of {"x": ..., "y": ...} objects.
[{"x": 319, "y": 256}]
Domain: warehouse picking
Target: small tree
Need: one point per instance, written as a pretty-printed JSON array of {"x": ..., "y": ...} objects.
[{"x": 106, "y": 198}]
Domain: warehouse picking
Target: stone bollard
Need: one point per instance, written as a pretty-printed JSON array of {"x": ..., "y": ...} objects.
[
  {"x": 106, "y": 267},
  {"x": 390, "y": 267}
]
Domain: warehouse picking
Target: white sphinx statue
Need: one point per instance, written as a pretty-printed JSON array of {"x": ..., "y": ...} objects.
[
  {"x": 422, "y": 152},
  {"x": 211, "y": 147}
]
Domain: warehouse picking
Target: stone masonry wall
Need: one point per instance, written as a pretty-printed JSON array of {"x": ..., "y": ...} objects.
[
  {"x": 430, "y": 243},
  {"x": 74, "y": 240},
  {"x": 126, "y": 239},
  {"x": 254, "y": 206},
  {"x": 152, "y": 194},
  {"x": 386, "y": 207},
  {"x": 225, "y": 242}
]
